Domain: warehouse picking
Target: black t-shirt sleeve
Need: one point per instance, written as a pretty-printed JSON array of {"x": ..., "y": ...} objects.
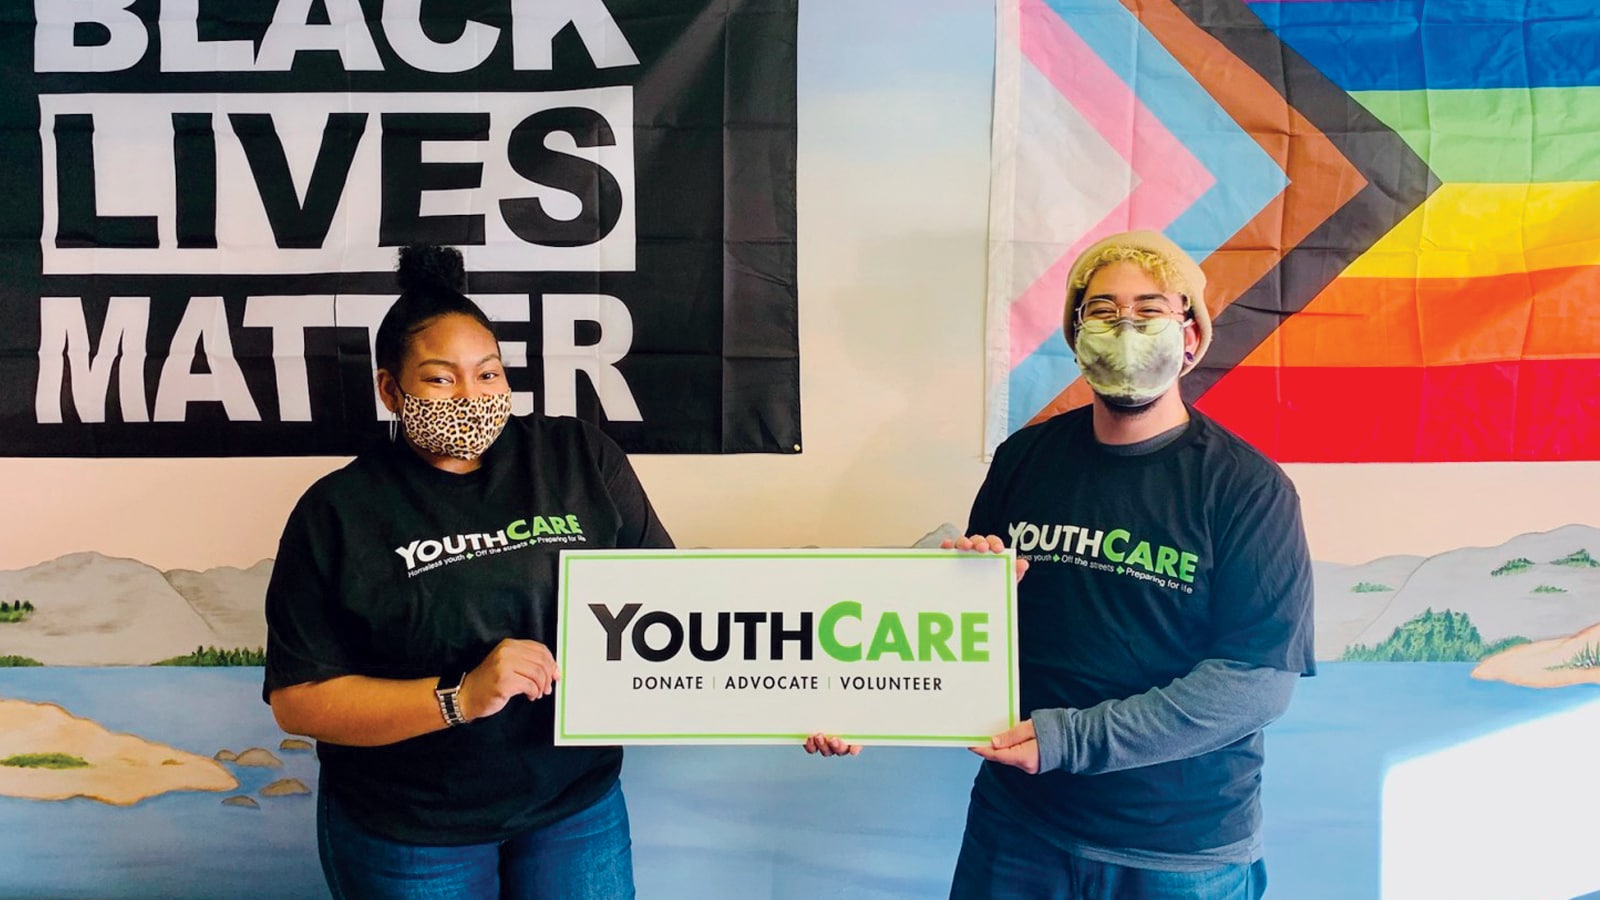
[
  {"x": 302, "y": 632},
  {"x": 640, "y": 526},
  {"x": 985, "y": 517},
  {"x": 1262, "y": 588}
]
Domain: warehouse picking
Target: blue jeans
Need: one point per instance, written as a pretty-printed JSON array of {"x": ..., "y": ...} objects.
[
  {"x": 586, "y": 856},
  {"x": 1002, "y": 860}
]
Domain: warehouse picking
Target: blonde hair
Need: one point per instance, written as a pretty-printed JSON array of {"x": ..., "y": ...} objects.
[{"x": 1156, "y": 265}]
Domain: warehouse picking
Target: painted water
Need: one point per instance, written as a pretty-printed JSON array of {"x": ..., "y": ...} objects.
[{"x": 723, "y": 822}]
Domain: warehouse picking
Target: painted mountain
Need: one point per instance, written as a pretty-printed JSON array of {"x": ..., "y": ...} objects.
[
  {"x": 95, "y": 610},
  {"x": 1535, "y": 586}
]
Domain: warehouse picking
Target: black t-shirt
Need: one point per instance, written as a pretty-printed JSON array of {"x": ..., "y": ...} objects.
[
  {"x": 1139, "y": 568},
  {"x": 392, "y": 568}
]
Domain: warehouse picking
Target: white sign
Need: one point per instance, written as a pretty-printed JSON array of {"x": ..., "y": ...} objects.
[{"x": 912, "y": 647}]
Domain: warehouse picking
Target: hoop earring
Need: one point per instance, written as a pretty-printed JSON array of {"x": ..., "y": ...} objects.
[{"x": 394, "y": 427}]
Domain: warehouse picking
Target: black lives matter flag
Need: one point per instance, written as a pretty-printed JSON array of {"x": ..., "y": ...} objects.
[{"x": 201, "y": 200}]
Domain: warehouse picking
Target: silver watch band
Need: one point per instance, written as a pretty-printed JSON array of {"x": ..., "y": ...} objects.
[{"x": 448, "y": 691}]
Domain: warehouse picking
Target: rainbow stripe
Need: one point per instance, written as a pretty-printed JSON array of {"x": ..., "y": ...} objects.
[
  {"x": 1396, "y": 202},
  {"x": 1471, "y": 330},
  {"x": 1188, "y": 168}
]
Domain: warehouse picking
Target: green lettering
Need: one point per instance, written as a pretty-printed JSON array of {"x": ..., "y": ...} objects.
[
  {"x": 540, "y": 526},
  {"x": 934, "y": 630},
  {"x": 558, "y": 525},
  {"x": 1115, "y": 534},
  {"x": 1165, "y": 557},
  {"x": 1141, "y": 556},
  {"x": 890, "y": 638},
  {"x": 518, "y": 530},
  {"x": 830, "y": 620},
  {"x": 1186, "y": 563},
  {"x": 974, "y": 632},
  {"x": 572, "y": 522}
]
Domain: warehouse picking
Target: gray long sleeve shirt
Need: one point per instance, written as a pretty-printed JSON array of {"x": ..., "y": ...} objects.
[{"x": 1217, "y": 703}]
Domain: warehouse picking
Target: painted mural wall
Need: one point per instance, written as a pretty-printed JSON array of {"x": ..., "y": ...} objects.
[{"x": 1458, "y": 604}]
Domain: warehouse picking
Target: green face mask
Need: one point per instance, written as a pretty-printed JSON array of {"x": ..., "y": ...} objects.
[{"x": 1128, "y": 368}]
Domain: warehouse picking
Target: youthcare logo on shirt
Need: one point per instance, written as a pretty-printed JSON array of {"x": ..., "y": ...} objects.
[
  {"x": 426, "y": 554},
  {"x": 1115, "y": 550}
]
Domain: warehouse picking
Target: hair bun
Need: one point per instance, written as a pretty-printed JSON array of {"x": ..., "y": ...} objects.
[{"x": 424, "y": 266}]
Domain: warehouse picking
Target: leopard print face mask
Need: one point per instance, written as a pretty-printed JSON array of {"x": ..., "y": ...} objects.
[{"x": 462, "y": 427}]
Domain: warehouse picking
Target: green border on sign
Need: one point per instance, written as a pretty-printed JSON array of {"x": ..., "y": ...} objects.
[{"x": 1007, "y": 559}]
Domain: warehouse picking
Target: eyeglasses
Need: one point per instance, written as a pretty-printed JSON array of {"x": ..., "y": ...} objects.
[{"x": 1149, "y": 316}]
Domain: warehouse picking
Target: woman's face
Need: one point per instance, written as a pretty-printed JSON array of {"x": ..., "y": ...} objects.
[{"x": 454, "y": 356}]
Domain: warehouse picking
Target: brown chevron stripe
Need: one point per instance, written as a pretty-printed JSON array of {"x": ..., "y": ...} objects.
[{"x": 1333, "y": 207}]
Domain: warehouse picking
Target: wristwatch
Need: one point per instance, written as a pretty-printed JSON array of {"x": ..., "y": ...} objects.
[{"x": 448, "y": 692}]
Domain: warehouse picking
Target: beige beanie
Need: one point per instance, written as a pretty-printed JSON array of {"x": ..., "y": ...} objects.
[{"x": 1190, "y": 282}]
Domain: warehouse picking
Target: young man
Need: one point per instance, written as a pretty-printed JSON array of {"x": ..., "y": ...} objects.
[{"x": 1164, "y": 620}]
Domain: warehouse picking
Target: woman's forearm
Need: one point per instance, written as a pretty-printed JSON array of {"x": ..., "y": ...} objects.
[{"x": 359, "y": 711}]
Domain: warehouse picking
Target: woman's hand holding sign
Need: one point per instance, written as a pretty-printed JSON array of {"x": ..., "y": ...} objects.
[{"x": 512, "y": 668}]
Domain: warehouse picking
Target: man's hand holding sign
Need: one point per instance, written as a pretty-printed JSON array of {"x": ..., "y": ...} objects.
[{"x": 1015, "y": 746}]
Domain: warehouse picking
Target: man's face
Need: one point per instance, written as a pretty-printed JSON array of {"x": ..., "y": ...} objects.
[{"x": 1122, "y": 290}]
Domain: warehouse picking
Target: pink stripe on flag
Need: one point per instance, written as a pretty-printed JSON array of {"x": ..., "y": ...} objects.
[{"x": 1170, "y": 178}]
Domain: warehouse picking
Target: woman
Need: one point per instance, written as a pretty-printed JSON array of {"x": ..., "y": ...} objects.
[{"x": 411, "y": 615}]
